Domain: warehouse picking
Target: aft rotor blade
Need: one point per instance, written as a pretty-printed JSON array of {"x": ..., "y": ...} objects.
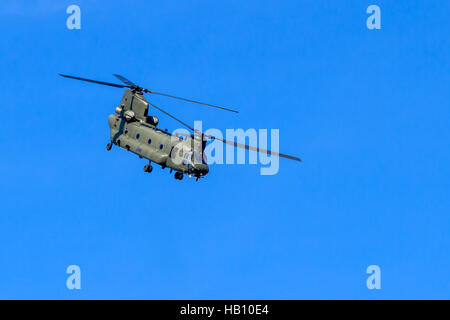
[
  {"x": 189, "y": 100},
  {"x": 95, "y": 81},
  {"x": 231, "y": 143},
  {"x": 184, "y": 124},
  {"x": 125, "y": 80},
  {"x": 244, "y": 146}
]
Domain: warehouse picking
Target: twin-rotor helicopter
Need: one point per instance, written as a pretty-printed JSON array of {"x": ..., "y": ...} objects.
[{"x": 134, "y": 130}]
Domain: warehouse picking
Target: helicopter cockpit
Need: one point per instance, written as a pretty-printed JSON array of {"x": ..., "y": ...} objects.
[
  {"x": 196, "y": 163},
  {"x": 198, "y": 157}
]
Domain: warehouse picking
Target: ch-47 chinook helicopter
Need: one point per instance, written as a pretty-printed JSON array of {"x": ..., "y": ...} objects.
[{"x": 134, "y": 130}]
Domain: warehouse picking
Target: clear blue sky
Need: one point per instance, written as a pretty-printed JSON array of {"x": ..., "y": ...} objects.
[{"x": 367, "y": 111}]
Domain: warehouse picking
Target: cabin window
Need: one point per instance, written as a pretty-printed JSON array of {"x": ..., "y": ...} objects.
[
  {"x": 161, "y": 146},
  {"x": 137, "y": 136},
  {"x": 149, "y": 141}
]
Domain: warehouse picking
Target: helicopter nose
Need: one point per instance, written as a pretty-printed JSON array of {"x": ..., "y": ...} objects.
[{"x": 202, "y": 169}]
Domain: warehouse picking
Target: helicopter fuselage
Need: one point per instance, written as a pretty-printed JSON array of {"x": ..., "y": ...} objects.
[
  {"x": 154, "y": 144},
  {"x": 141, "y": 136}
]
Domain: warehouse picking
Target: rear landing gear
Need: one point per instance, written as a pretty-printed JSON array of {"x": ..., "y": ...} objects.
[
  {"x": 148, "y": 168},
  {"x": 178, "y": 176},
  {"x": 109, "y": 146}
]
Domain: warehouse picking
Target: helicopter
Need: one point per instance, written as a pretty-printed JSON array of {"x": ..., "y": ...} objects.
[{"x": 133, "y": 129}]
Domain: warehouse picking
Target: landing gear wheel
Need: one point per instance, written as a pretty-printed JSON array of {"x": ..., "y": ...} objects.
[
  {"x": 148, "y": 168},
  {"x": 178, "y": 176},
  {"x": 108, "y": 146}
]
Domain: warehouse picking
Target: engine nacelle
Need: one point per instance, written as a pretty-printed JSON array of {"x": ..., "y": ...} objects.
[{"x": 129, "y": 115}]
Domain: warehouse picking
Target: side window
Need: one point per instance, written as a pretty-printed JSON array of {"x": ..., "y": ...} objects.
[
  {"x": 137, "y": 136},
  {"x": 149, "y": 141},
  {"x": 161, "y": 146}
]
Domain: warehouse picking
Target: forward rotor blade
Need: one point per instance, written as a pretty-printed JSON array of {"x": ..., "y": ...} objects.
[
  {"x": 184, "y": 124},
  {"x": 231, "y": 143},
  {"x": 125, "y": 80},
  {"x": 95, "y": 81},
  {"x": 193, "y": 101},
  {"x": 244, "y": 146}
]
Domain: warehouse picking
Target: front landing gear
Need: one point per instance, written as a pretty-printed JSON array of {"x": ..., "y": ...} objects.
[
  {"x": 109, "y": 146},
  {"x": 148, "y": 168},
  {"x": 178, "y": 176}
]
